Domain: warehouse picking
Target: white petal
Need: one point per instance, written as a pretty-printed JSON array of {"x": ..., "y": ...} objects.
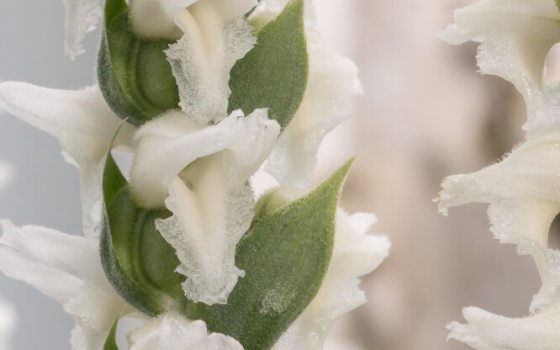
[
  {"x": 486, "y": 331},
  {"x": 79, "y": 119},
  {"x": 333, "y": 82},
  {"x": 83, "y": 124},
  {"x": 169, "y": 144},
  {"x": 515, "y": 37},
  {"x": 67, "y": 269},
  {"x": 82, "y": 17},
  {"x": 523, "y": 191},
  {"x": 212, "y": 204},
  {"x": 356, "y": 253},
  {"x": 268, "y": 10},
  {"x": 202, "y": 59},
  {"x": 174, "y": 332}
]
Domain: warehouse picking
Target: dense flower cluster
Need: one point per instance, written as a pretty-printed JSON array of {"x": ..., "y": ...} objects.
[
  {"x": 196, "y": 161},
  {"x": 522, "y": 190}
]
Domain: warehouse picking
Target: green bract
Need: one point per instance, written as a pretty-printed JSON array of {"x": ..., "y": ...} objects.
[
  {"x": 138, "y": 262},
  {"x": 285, "y": 256},
  {"x": 274, "y": 73},
  {"x": 137, "y": 82},
  {"x": 134, "y": 74}
]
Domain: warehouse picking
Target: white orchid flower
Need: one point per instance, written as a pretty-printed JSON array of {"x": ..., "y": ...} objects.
[
  {"x": 524, "y": 196},
  {"x": 487, "y": 331},
  {"x": 67, "y": 269},
  {"x": 83, "y": 124},
  {"x": 515, "y": 37},
  {"x": 214, "y": 34},
  {"x": 523, "y": 190},
  {"x": 174, "y": 332},
  {"x": 356, "y": 254},
  {"x": 211, "y": 201},
  {"x": 6, "y": 175}
]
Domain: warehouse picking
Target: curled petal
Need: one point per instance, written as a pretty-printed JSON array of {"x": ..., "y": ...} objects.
[
  {"x": 356, "y": 253},
  {"x": 83, "y": 124},
  {"x": 174, "y": 332},
  {"x": 515, "y": 37},
  {"x": 67, "y": 269},
  {"x": 169, "y": 144},
  {"x": 156, "y": 18},
  {"x": 487, "y": 331},
  {"x": 215, "y": 36},
  {"x": 333, "y": 82},
  {"x": 82, "y": 17},
  {"x": 523, "y": 192}
]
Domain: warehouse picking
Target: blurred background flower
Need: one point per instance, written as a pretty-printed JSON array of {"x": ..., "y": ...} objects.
[{"x": 425, "y": 114}]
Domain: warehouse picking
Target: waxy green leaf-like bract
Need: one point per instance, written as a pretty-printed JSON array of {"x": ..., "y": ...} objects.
[
  {"x": 274, "y": 73},
  {"x": 134, "y": 74},
  {"x": 138, "y": 262}
]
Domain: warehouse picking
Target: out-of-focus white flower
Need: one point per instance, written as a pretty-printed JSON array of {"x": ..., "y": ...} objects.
[
  {"x": 67, "y": 269},
  {"x": 487, "y": 331},
  {"x": 523, "y": 190},
  {"x": 6, "y": 175},
  {"x": 524, "y": 196},
  {"x": 332, "y": 84},
  {"x": 82, "y": 16},
  {"x": 515, "y": 37},
  {"x": 356, "y": 253},
  {"x": 174, "y": 332},
  {"x": 211, "y": 200},
  {"x": 83, "y": 124}
]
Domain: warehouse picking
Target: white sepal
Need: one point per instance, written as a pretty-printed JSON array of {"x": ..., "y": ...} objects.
[
  {"x": 356, "y": 253},
  {"x": 333, "y": 83},
  {"x": 83, "y": 124},
  {"x": 67, "y": 269},
  {"x": 174, "y": 332},
  {"x": 211, "y": 201},
  {"x": 487, "y": 331},
  {"x": 167, "y": 145},
  {"x": 523, "y": 191}
]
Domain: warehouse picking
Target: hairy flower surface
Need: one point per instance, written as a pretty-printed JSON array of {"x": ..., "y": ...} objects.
[
  {"x": 174, "y": 332},
  {"x": 211, "y": 200},
  {"x": 523, "y": 190},
  {"x": 67, "y": 269},
  {"x": 84, "y": 126}
]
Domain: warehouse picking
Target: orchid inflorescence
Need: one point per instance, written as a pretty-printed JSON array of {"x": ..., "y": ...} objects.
[{"x": 193, "y": 99}]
